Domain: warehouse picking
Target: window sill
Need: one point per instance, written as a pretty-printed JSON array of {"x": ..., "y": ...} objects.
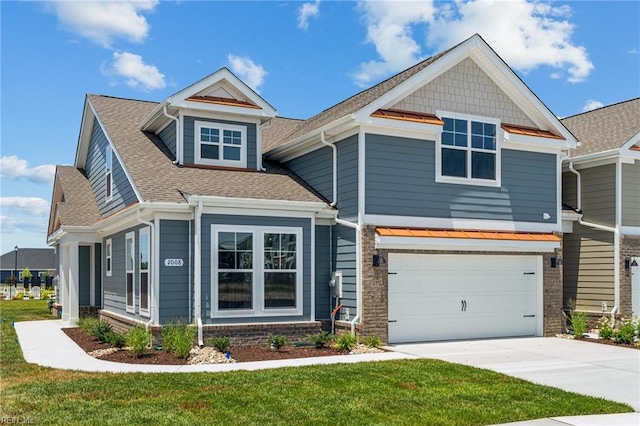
[{"x": 468, "y": 181}]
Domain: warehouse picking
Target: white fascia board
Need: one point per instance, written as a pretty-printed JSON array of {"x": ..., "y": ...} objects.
[
  {"x": 79, "y": 234},
  {"x": 631, "y": 142},
  {"x": 534, "y": 143},
  {"x": 392, "y": 127},
  {"x": 450, "y": 223},
  {"x": 148, "y": 122},
  {"x": 262, "y": 204},
  {"x": 630, "y": 230},
  {"x": 234, "y": 111},
  {"x": 213, "y": 115},
  {"x": 417, "y": 243},
  {"x": 86, "y": 127},
  {"x": 592, "y": 160}
]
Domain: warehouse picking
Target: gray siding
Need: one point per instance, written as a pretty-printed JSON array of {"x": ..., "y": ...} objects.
[
  {"x": 570, "y": 189},
  {"x": 168, "y": 136},
  {"x": 599, "y": 194},
  {"x": 84, "y": 275},
  {"x": 315, "y": 168},
  {"x": 348, "y": 177},
  {"x": 97, "y": 259},
  {"x": 122, "y": 194},
  {"x": 323, "y": 272},
  {"x": 344, "y": 259},
  {"x": 588, "y": 271},
  {"x": 189, "y": 141},
  {"x": 174, "y": 280},
  {"x": 400, "y": 180},
  {"x": 208, "y": 220},
  {"x": 631, "y": 194}
]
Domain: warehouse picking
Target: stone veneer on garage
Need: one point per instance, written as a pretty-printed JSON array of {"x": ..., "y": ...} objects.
[
  {"x": 375, "y": 288},
  {"x": 629, "y": 247}
]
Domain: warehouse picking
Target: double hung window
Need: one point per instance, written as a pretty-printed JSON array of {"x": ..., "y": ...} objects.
[{"x": 220, "y": 144}]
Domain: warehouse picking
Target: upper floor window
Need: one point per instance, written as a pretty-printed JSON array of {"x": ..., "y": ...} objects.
[
  {"x": 220, "y": 144},
  {"x": 468, "y": 151},
  {"x": 108, "y": 158}
]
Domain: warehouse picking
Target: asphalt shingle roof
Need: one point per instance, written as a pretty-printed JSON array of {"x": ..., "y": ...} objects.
[
  {"x": 36, "y": 259},
  {"x": 79, "y": 207},
  {"x": 605, "y": 128}
]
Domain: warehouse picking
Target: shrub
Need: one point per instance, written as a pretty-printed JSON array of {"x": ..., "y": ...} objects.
[
  {"x": 579, "y": 322},
  {"x": 345, "y": 342},
  {"x": 138, "y": 338},
  {"x": 116, "y": 340},
  {"x": 276, "y": 342},
  {"x": 372, "y": 341},
  {"x": 100, "y": 330},
  {"x": 178, "y": 339},
  {"x": 87, "y": 324},
  {"x": 220, "y": 343},
  {"x": 605, "y": 331},
  {"x": 320, "y": 339},
  {"x": 626, "y": 332}
]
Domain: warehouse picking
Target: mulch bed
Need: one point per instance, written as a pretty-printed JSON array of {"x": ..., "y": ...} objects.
[
  {"x": 610, "y": 342},
  {"x": 162, "y": 357}
]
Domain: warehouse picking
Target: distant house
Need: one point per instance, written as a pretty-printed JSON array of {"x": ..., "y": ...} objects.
[
  {"x": 40, "y": 261},
  {"x": 601, "y": 182},
  {"x": 427, "y": 207}
]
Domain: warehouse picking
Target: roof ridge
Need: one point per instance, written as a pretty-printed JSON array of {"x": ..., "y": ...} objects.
[
  {"x": 122, "y": 98},
  {"x": 602, "y": 108}
]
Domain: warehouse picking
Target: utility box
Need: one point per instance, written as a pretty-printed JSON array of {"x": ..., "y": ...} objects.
[{"x": 336, "y": 283}]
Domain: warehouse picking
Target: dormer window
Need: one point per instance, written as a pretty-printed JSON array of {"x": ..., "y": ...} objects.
[
  {"x": 220, "y": 144},
  {"x": 108, "y": 173}
]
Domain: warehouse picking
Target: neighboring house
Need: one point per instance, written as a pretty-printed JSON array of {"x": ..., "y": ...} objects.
[
  {"x": 40, "y": 261},
  {"x": 601, "y": 181},
  {"x": 426, "y": 207}
]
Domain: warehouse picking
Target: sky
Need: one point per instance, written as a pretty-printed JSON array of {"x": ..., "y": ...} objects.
[{"x": 301, "y": 57}]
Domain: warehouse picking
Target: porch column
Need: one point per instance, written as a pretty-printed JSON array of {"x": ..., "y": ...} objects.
[
  {"x": 64, "y": 281},
  {"x": 74, "y": 283}
]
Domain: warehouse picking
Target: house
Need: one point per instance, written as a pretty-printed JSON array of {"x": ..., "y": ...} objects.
[
  {"x": 40, "y": 261},
  {"x": 601, "y": 182},
  {"x": 426, "y": 207}
]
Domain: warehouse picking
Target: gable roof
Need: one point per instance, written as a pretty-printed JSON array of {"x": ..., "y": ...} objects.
[
  {"x": 36, "y": 259},
  {"x": 604, "y": 129}
]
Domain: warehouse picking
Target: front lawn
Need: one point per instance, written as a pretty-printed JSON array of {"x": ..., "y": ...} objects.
[{"x": 394, "y": 392}]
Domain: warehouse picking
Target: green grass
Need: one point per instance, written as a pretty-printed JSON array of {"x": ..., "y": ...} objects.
[{"x": 395, "y": 392}]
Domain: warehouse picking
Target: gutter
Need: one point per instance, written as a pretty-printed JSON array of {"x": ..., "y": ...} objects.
[
  {"x": 178, "y": 133},
  {"x": 358, "y": 229},
  {"x": 335, "y": 167}
]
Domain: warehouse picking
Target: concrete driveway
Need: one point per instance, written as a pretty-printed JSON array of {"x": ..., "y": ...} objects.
[{"x": 594, "y": 369}]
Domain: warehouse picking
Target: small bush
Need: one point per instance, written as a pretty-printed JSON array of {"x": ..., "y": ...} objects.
[
  {"x": 277, "y": 342},
  {"x": 345, "y": 342},
  {"x": 138, "y": 338},
  {"x": 626, "y": 332},
  {"x": 116, "y": 340},
  {"x": 579, "y": 323},
  {"x": 102, "y": 330},
  {"x": 605, "y": 331},
  {"x": 88, "y": 324},
  {"x": 178, "y": 339},
  {"x": 372, "y": 341},
  {"x": 320, "y": 339},
  {"x": 220, "y": 343}
]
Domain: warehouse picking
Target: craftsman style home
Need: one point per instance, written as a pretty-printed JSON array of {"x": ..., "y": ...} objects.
[{"x": 426, "y": 207}]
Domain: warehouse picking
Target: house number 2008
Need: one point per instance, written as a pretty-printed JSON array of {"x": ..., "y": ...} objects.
[{"x": 173, "y": 262}]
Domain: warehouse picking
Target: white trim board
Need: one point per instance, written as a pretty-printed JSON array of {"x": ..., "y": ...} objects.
[{"x": 442, "y": 223}]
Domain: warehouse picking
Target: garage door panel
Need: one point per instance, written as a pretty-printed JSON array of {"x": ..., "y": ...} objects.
[{"x": 441, "y": 297}]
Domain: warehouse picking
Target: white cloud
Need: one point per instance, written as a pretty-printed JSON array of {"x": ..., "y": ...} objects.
[
  {"x": 104, "y": 21},
  {"x": 251, "y": 73},
  {"x": 22, "y": 225},
  {"x": 526, "y": 34},
  {"x": 15, "y": 168},
  {"x": 633, "y": 51},
  {"x": 34, "y": 206},
  {"x": 591, "y": 105},
  {"x": 307, "y": 11},
  {"x": 136, "y": 73}
]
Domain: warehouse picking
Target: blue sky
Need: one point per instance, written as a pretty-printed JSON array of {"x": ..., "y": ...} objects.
[{"x": 302, "y": 57}]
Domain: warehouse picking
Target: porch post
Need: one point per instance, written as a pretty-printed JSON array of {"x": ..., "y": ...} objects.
[
  {"x": 74, "y": 283},
  {"x": 64, "y": 281}
]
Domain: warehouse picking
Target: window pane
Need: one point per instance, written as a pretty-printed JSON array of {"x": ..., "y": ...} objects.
[
  {"x": 129, "y": 288},
  {"x": 454, "y": 162},
  {"x": 272, "y": 241},
  {"x": 461, "y": 126},
  {"x": 232, "y": 137},
  {"x": 460, "y": 139},
  {"x": 144, "y": 251},
  {"x": 489, "y": 129},
  {"x": 232, "y": 153},
  {"x": 288, "y": 242},
  {"x": 129, "y": 255},
  {"x": 448, "y": 124},
  {"x": 144, "y": 288},
  {"x": 244, "y": 241},
  {"x": 490, "y": 143},
  {"x": 483, "y": 165},
  {"x": 447, "y": 138},
  {"x": 226, "y": 240},
  {"x": 245, "y": 260},
  {"x": 235, "y": 290},
  {"x": 477, "y": 142},
  {"x": 209, "y": 151},
  {"x": 226, "y": 260},
  {"x": 280, "y": 289}
]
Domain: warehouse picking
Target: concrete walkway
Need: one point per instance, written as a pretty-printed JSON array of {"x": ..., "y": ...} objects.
[{"x": 586, "y": 368}]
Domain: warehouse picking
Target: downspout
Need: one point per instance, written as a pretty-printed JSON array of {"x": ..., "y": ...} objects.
[
  {"x": 358, "y": 229},
  {"x": 178, "y": 142},
  {"x": 197, "y": 271},
  {"x": 151, "y": 273},
  {"x": 335, "y": 168},
  {"x": 616, "y": 243}
]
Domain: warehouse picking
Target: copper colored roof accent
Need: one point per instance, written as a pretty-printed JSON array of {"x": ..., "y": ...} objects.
[
  {"x": 416, "y": 117},
  {"x": 635, "y": 148},
  {"x": 222, "y": 101},
  {"x": 466, "y": 234},
  {"x": 529, "y": 131}
]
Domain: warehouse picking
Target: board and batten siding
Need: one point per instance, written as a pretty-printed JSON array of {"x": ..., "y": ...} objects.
[
  {"x": 599, "y": 194},
  {"x": 400, "y": 181},
  {"x": 258, "y": 221},
  {"x": 190, "y": 145},
  {"x": 95, "y": 168},
  {"x": 323, "y": 272},
  {"x": 588, "y": 270},
  {"x": 631, "y": 194},
  {"x": 168, "y": 136},
  {"x": 344, "y": 259},
  {"x": 174, "y": 280}
]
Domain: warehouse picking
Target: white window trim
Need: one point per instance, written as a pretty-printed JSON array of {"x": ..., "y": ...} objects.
[
  {"x": 144, "y": 231},
  {"x": 222, "y": 127},
  {"x": 108, "y": 174},
  {"x": 130, "y": 236},
  {"x": 109, "y": 257},
  {"x": 258, "y": 272},
  {"x": 469, "y": 180}
]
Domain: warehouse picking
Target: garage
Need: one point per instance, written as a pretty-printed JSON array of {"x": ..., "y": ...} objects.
[{"x": 457, "y": 296}]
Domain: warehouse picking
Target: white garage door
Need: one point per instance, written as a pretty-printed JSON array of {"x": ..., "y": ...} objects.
[{"x": 446, "y": 297}]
